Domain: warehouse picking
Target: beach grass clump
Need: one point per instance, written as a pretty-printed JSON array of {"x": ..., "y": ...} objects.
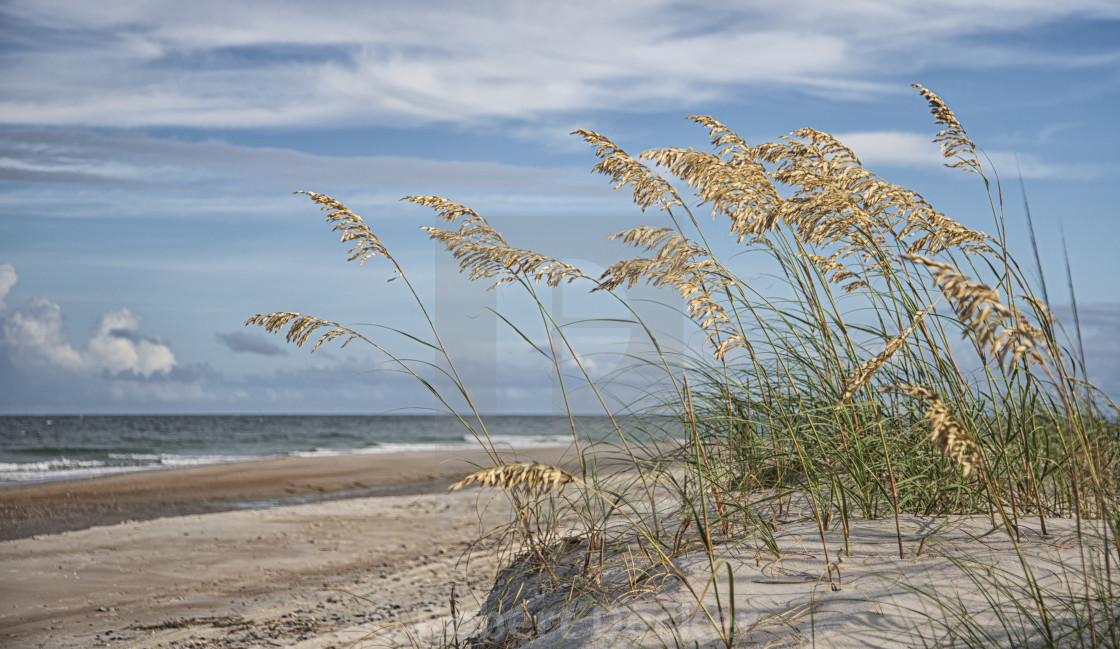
[{"x": 834, "y": 389}]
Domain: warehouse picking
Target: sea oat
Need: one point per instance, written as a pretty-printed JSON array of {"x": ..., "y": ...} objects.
[
  {"x": 448, "y": 210},
  {"x": 860, "y": 378},
  {"x": 944, "y": 431},
  {"x": 836, "y": 200},
  {"x": 739, "y": 188},
  {"x": 353, "y": 229},
  {"x": 483, "y": 252},
  {"x": 942, "y": 232},
  {"x": 954, "y": 141},
  {"x": 302, "y": 326},
  {"x": 649, "y": 188},
  {"x": 723, "y": 138},
  {"x": 529, "y": 477},
  {"x": 839, "y": 272},
  {"x": 679, "y": 263},
  {"x": 996, "y": 329}
]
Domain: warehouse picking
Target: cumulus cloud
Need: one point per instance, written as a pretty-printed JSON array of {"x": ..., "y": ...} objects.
[
  {"x": 241, "y": 341},
  {"x": 8, "y": 279},
  {"x": 34, "y": 336},
  {"x": 116, "y": 346}
]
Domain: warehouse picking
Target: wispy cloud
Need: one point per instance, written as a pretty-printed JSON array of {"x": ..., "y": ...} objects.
[
  {"x": 905, "y": 149},
  {"x": 204, "y": 214},
  {"x": 893, "y": 148},
  {"x": 252, "y": 64},
  {"x": 78, "y": 156}
]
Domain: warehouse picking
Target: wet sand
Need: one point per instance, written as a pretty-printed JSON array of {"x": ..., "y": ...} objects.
[{"x": 59, "y": 506}]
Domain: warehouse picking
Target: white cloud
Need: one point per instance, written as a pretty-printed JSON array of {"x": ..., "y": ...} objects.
[
  {"x": 116, "y": 345},
  {"x": 278, "y": 64},
  {"x": 34, "y": 336},
  {"x": 8, "y": 279},
  {"x": 1011, "y": 165},
  {"x": 877, "y": 149}
]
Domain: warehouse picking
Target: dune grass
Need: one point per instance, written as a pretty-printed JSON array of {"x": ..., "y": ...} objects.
[{"x": 898, "y": 364}]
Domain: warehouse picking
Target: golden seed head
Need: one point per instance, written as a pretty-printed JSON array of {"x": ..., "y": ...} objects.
[
  {"x": 945, "y": 431},
  {"x": 997, "y": 330},
  {"x": 530, "y": 477}
]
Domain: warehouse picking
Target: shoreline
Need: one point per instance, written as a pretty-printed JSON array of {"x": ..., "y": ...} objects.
[
  {"x": 52, "y": 507},
  {"x": 385, "y": 570},
  {"x": 327, "y": 572}
]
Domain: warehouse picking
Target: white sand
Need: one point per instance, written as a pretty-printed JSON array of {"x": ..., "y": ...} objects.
[
  {"x": 360, "y": 572},
  {"x": 317, "y": 575},
  {"x": 874, "y": 598}
]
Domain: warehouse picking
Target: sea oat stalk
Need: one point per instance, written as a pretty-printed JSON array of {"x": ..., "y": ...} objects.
[{"x": 945, "y": 431}]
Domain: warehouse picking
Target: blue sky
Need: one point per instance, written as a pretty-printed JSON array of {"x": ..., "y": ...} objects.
[{"x": 148, "y": 151}]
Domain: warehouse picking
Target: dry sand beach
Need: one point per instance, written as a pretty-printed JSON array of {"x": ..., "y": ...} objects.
[
  {"x": 199, "y": 561},
  {"x": 149, "y": 559}
]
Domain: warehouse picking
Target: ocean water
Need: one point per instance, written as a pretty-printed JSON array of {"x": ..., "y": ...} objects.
[{"x": 35, "y": 448}]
